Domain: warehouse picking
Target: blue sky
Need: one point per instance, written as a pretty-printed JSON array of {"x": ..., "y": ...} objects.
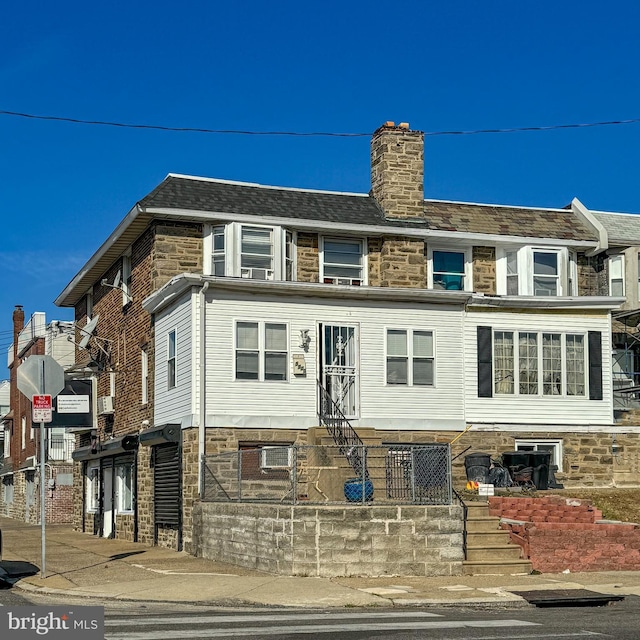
[{"x": 333, "y": 66}]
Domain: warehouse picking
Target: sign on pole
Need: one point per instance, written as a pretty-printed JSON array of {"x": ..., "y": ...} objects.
[
  {"x": 41, "y": 408},
  {"x": 41, "y": 378}
]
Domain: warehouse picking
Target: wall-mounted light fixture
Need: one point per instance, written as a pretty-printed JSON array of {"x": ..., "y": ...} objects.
[{"x": 304, "y": 339}]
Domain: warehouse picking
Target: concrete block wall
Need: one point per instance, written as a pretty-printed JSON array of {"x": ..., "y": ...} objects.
[
  {"x": 559, "y": 534},
  {"x": 332, "y": 541}
]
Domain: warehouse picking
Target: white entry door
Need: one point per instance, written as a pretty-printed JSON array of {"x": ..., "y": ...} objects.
[
  {"x": 339, "y": 366},
  {"x": 107, "y": 508}
]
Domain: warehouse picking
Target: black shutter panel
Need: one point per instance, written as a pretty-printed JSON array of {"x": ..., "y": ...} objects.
[
  {"x": 485, "y": 363},
  {"x": 166, "y": 484},
  {"x": 595, "y": 365}
]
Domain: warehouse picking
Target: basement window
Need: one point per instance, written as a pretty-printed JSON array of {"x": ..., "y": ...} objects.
[{"x": 552, "y": 446}]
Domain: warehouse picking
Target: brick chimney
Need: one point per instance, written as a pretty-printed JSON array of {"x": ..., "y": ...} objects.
[
  {"x": 18, "y": 326},
  {"x": 397, "y": 170}
]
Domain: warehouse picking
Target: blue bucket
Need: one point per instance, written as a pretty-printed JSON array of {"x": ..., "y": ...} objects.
[{"x": 355, "y": 488}]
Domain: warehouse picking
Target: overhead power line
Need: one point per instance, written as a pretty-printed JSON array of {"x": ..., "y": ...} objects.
[{"x": 128, "y": 125}]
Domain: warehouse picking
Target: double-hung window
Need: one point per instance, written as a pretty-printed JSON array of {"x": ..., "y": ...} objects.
[
  {"x": 546, "y": 273},
  {"x": 410, "y": 357},
  {"x": 616, "y": 275},
  {"x": 261, "y": 351},
  {"x": 124, "y": 487},
  {"x": 144, "y": 365},
  {"x": 256, "y": 252},
  {"x": 171, "y": 359},
  {"x": 448, "y": 269},
  {"x": 532, "y": 363},
  {"x": 343, "y": 261},
  {"x": 218, "y": 255}
]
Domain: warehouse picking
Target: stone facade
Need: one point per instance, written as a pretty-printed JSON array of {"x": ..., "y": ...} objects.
[
  {"x": 332, "y": 541},
  {"x": 593, "y": 277},
  {"x": 308, "y": 257},
  {"x": 403, "y": 263},
  {"x": 397, "y": 170},
  {"x": 484, "y": 270}
]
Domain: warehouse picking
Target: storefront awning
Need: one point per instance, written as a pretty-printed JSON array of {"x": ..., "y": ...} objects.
[
  {"x": 113, "y": 447},
  {"x": 161, "y": 434}
]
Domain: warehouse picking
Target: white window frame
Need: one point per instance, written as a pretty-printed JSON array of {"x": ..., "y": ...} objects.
[
  {"x": 515, "y": 392},
  {"x": 556, "y": 450},
  {"x": 7, "y": 441},
  {"x": 265, "y": 460},
  {"x": 89, "y": 304},
  {"x": 144, "y": 371},
  {"x": 172, "y": 360},
  {"x": 124, "y": 494},
  {"x": 92, "y": 487},
  {"x": 620, "y": 273},
  {"x": 261, "y": 350},
  {"x": 362, "y": 281},
  {"x": 410, "y": 357},
  {"x": 567, "y": 278},
  {"x": 232, "y": 252},
  {"x": 467, "y": 284},
  {"x": 23, "y": 431},
  {"x": 126, "y": 277}
]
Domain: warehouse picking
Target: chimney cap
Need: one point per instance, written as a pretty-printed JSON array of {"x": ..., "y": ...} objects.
[
  {"x": 403, "y": 125},
  {"x": 389, "y": 124}
]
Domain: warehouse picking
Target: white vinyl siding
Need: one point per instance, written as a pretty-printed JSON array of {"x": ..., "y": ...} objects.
[
  {"x": 519, "y": 408},
  {"x": 171, "y": 405},
  {"x": 294, "y": 404}
]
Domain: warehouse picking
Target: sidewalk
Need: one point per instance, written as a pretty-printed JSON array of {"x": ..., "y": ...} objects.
[{"x": 78, "y": 564}]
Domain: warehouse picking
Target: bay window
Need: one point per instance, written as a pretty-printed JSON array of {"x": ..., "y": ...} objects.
[
  {"x": 532, "y": 363},
  {"x": 257, "y": 252}
]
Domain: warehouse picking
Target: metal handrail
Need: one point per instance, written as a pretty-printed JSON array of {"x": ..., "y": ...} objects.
[
  {"x": 465, "y": 511},
  {"x": 344, "y": 435}
]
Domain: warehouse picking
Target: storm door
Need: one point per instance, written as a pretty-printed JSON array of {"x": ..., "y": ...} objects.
[{"x": 339, "y": 368}]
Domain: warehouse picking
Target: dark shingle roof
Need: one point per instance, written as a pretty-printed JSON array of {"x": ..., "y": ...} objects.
[
  {"x": 228, "y": 197},
  {"x": 185, "y": 192}
]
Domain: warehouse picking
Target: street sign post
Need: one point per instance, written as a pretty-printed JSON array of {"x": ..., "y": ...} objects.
[{"x": 41, "y": 377}]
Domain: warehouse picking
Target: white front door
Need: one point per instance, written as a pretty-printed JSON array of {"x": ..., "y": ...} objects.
[
  {"x": 339, "y": 366},
  {"x": 107, "y": 509}
]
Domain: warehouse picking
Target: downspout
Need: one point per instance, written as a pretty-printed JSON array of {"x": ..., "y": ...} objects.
[{"x": 202, "y": 417}]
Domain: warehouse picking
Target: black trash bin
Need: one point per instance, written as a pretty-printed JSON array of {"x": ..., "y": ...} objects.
[
  {"x": 541, "y": 461},
  {"x": 511, "y": 459},
  {"x": 477, "y": 466}
]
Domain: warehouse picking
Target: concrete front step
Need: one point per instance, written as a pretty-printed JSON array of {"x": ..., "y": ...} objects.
[
  {"x": 487, "y": 567},
  {"x": 486, "y": 524},
  {"x": 488, "y": 538},
  {"x": 498, "y": 555}
]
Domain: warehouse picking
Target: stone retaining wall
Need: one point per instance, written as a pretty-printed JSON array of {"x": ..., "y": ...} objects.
[{"x": 332, "y": 541}]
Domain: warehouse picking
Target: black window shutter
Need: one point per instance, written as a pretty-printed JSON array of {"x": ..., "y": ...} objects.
[
  {"x": 595, "y": 365},
  {"x": 485, "y": 362}
]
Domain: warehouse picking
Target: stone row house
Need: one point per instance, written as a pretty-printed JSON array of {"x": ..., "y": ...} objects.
[
  {"x": 216, "y": 311},
  {"x": 20, "y": 497}
]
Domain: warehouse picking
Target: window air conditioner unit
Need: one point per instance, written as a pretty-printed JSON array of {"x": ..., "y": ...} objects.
[
  {"x": 105, "y": 405},
  {"x": 258, "y": 274},
  {"x": 276, "y": 458},
  {"x": 353, "y": 282}
]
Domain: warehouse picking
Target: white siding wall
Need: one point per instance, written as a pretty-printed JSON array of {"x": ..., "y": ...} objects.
[
  {"x": 174, "y": 405},
  {"x": 293, "y": 403},
  {"x": 537, "y": 410}
]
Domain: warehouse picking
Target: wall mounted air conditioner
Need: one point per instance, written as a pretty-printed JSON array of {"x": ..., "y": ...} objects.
[
  {"x": 105, "y": 405},
  {"x": 276, "y": 457}
]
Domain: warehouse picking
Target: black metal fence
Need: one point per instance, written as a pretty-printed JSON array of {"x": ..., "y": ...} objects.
[{"x": 396, "y": 474}]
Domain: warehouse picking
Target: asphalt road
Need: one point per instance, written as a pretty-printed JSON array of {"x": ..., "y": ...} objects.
[{"x": 153, "y": 621}]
